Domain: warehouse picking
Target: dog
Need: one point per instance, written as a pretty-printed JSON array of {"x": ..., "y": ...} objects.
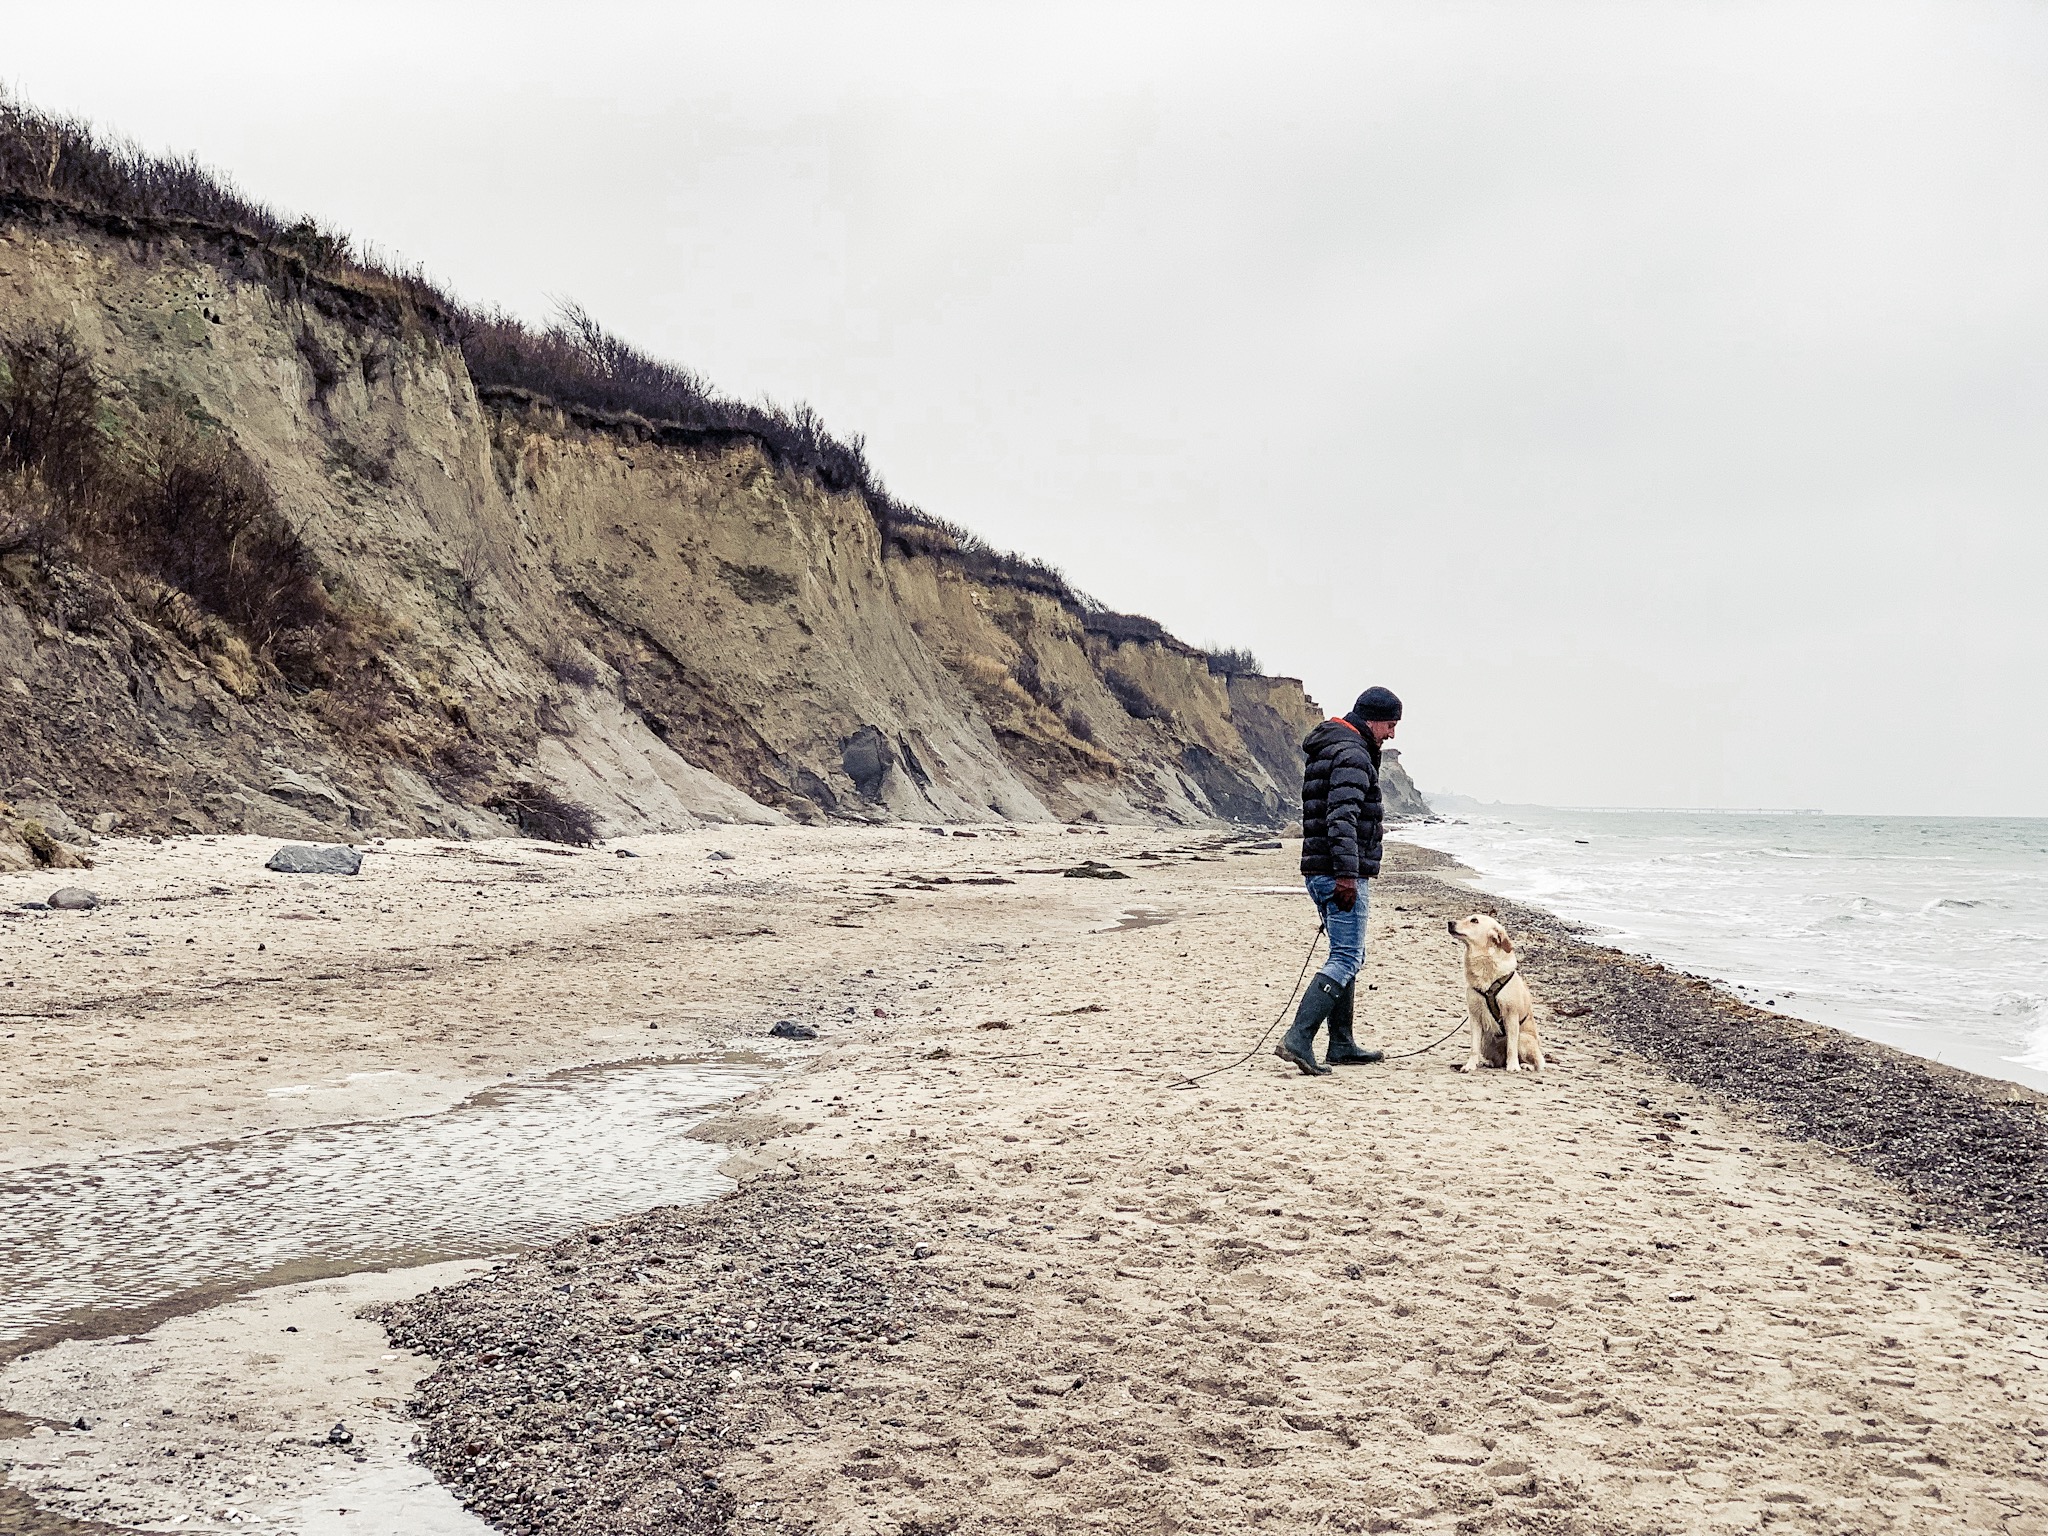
[{"x": 1497, "y": 999}]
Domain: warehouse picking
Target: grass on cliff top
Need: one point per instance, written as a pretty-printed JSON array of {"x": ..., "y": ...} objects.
[{"x": 572, "y": 361}]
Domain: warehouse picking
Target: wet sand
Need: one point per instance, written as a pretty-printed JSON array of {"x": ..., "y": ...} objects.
[{"x": 1607, "y": 1299}]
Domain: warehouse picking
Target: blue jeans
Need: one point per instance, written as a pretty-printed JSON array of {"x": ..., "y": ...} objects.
[{"x": 1346, "y": 929}]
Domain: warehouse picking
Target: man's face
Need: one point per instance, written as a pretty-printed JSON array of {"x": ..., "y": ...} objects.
[{"x": 1382, "y": 730}]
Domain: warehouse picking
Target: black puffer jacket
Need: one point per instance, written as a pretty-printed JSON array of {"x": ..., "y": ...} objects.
[{"x": 1340, "y": 802}]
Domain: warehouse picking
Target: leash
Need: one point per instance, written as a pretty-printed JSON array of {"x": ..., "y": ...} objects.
[
  {"x": 1308, "y": 960},
  {"x": 1439, "y": 1040},
  {"x": 1492, "y": 1006}
]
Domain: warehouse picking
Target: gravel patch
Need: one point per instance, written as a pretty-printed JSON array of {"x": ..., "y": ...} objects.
[{"x": 595, "y": 1386}]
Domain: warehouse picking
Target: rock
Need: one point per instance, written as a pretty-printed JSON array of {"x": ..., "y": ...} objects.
[
  {"x": 339, "y": 1435},
  {"x": 79, "y": 1423},
  {"x": 626, "y": 853},
  {"x": 51, "y": 851},
  {"x": 921, "y": 1251},
  {"x": 55, "y": 822},
  {"x": 1092, "y": 870},
  {"x": 789, "y": 1029},
  {"x": 104, "y": 823},
  {"x": 867, "y": 758},
  {"x": 1055, "y": 1386},
  {"x": 306, "y": 859},
  {"x": 73, "y": 898},
  {"x": 719, "y": 856}
]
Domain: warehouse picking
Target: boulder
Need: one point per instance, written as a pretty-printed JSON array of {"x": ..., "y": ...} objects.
[
  {"x": 54, "y": 821},
  {"x": 306, "y": 859},
  {"x": 867, "y": 758},
  {"x": 73, "y": 898}
]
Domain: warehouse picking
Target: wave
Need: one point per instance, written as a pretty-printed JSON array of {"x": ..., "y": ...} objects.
[{"x": 2035, "y": 1056}]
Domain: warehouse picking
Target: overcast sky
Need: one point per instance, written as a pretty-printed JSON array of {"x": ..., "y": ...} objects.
[{"x": 1654, "y": 395}]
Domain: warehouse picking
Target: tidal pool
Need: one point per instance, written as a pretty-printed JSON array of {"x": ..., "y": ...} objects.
[{"x": 106, "y": 1244}]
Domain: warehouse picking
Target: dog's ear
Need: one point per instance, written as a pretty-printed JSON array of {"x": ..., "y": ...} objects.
[{"x": 1507, "y": 944}]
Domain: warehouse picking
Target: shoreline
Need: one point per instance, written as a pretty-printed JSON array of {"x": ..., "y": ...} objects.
[
  {"x": 1971, "y": 1150},
  {"x": 1202, "y": 1310},
  {"x": 1903, "y": 956}
]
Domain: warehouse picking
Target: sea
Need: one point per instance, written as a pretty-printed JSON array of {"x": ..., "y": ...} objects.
[{"x": 1926, "y": 933}]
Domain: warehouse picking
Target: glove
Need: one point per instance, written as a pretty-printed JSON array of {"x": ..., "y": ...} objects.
[{"x": 1346, "y": 896}]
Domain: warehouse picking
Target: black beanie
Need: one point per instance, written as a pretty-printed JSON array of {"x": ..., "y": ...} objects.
[{"x": 1377, "y": 704}]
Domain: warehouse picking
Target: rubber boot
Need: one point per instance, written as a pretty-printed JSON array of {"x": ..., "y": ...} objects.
[
  {"x": 1344, "y": 1051},
  {"x": 1298, "y": 1045}
]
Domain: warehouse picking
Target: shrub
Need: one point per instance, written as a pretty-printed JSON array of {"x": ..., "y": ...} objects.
[
  {"x": 539, "y": 812},
  {"x": 49, "y": 413},
  {"x": 1233, "y": 661},
  {"x": 29, "y": 520},
  {"x": 64, "y": 158},
  {"x": 1130, "y": 693},
  {"x": 176, "y": 508},
  {"x": 570, "y": 663}
]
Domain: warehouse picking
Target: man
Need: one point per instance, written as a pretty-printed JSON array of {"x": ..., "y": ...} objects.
[{"x": 1340, "y": 848}]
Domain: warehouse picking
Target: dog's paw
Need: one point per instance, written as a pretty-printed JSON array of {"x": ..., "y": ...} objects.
[{"x": 1472, "y": 1065}]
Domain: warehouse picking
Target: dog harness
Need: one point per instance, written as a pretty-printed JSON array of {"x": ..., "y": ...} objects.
[{"x": 1492, "y": 996}]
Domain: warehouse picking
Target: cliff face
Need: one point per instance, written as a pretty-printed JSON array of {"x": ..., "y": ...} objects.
[
  {"x": 660, "y": 626},
  {"x": 1404, "y": 801}
]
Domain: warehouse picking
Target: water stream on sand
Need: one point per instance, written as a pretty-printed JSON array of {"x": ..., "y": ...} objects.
[
  {"x": 89, "y": 1245},
  {"x": 118, "y": 1243}
]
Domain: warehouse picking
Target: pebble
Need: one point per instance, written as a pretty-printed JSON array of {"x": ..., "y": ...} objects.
[{"x": 789, "y": 1029}]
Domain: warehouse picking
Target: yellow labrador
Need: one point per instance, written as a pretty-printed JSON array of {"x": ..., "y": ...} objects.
[{"x": 1496, "y": 997}]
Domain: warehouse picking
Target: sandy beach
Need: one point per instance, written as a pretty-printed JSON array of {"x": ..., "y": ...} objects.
[{"x": 991, "y": 1264}]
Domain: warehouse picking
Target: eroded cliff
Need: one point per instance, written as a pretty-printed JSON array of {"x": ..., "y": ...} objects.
[{"x": 508, "y": 601}]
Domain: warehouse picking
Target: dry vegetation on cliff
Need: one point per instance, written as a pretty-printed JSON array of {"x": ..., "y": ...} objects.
[{"x": 573, "y": 362}]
